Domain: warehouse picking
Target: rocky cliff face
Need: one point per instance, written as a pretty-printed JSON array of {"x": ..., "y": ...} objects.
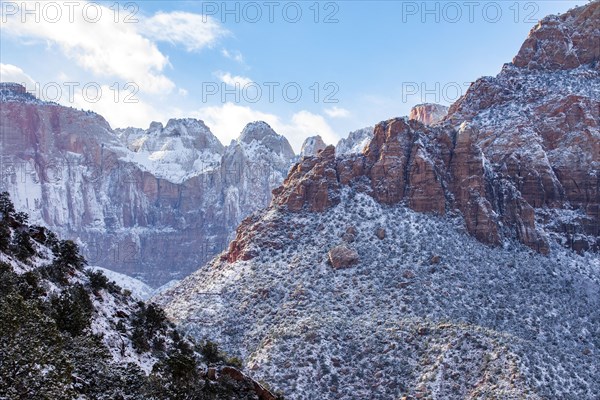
[
  {"x": 428, "y": 113},
  {"x": 430, "y": 170},
  {"x": 153, "y": 204},
  {"x": 518, "y": 155},
  {"x": 562, "y": 42}
]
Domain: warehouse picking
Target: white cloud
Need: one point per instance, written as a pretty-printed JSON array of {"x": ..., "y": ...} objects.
[
  {"x": 12, "y": 73},
  {"x": 233, "y": 80},
  {"x": 182, "y": 92},
  {"x": 104, "y": 48},
  {"x": 228, "y": 120},
  {"x": 193, "y": 31},
  {"x": 121, "y": 109},
  {"x": 306, "y": 124},
  {"x": 110, "y": 49},
  {"x": 234, "y": 55},
  {"x": 337, "y": 112}
]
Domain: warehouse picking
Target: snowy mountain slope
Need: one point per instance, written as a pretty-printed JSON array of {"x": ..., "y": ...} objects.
[
  {"x": 137, "y": 288},
  {"x": 355, "y": 142},
  {"x": 312, "y": 145},
  {"x": 427, "y": 310},
  {"x": 183, "y": 149},
  {"x": 453, "y": 261}
]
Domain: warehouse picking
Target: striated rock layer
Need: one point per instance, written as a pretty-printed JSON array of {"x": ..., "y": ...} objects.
[{"x": 154, "y": 204}]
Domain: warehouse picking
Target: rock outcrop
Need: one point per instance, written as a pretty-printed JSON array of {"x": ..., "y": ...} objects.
[
  {"x": 312, "y": 182},
  {"x": 342, "y": 257},
  {"x": 561, "y": 42},
  {"x": 428, "y": 113},
  {"x": 518, "y": 155},
  {"x": 431, "y": 170}
]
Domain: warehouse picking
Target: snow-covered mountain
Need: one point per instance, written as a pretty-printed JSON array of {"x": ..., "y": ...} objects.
[
  {"x": 355, "y": 142},
  {"x": 312, "y": 145},
  {"x": 183, "y": 149},
  {"x": 426, "y": 310},
  {"x": 452, "y": 261},
  {"x": 154, "y": 204}
]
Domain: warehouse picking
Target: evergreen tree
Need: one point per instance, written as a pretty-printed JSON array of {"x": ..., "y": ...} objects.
[
  {"x": 4, "y": 235},
  {"x": 6, "y": 205},
  {"x": 32, "y": 364},
  {"x": 22, "y": 247},
  {"x": 72, "y": 310},
  {"x": 67, "y": 254}
]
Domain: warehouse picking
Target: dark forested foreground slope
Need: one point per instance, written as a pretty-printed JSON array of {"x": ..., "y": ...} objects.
[{"x": 69, "y": 333}]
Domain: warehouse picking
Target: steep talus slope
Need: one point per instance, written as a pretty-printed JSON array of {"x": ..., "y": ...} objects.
[
  {"x": 439, "y": 262},
  {"x": 135, "y": 197}
]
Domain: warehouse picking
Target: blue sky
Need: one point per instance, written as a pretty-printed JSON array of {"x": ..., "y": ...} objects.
[{"x": 355, "y": 62}]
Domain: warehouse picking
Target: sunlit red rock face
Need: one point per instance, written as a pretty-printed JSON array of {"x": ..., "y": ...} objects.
[
  {"x": 563, "y": 42},
  {"x": 518, "y": 155},
  {"x": 428, "y": 113}
]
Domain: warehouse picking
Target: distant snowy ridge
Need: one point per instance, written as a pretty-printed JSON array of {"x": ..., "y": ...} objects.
[{"x": 355, "y": 142}]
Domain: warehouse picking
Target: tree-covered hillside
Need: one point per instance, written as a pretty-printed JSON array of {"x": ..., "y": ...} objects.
[{"x": 69, "y": 333}]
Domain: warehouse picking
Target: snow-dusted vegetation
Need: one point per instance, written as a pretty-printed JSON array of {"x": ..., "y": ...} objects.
[
  {"x": 428, "y": 311},
  {"x": 67, "y": 332}
]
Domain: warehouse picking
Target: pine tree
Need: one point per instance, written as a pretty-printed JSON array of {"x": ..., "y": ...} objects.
[
  {"x": 6, "y": 206},
  {"x": 67, "y": 253},
  {"x": 72, "y": 310},
  {"x": 4, "y": 236},
  {"x": 22, "y": 247}
]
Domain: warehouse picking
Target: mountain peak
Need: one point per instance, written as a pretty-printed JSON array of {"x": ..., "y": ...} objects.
[
  {"x": 312, "y": 145},
  {"x": 262, "y": 133},
  {"x": 566, "y": 41},
  {"x": 186, "y": 127},
  {"x": 12, "y": 87},
  {"x": 256, "y": 130},
  {"x": 15, "y": 92},
  {"x": 355, "y": 142}
]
